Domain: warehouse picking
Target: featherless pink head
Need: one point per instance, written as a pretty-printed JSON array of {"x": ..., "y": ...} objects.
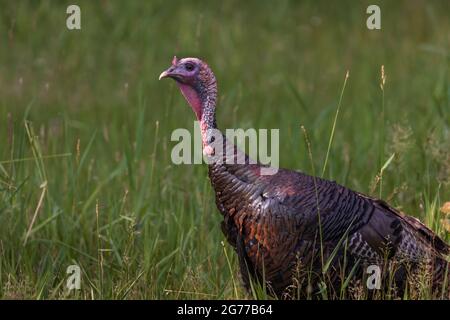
[{"x": 196, "y": 82}]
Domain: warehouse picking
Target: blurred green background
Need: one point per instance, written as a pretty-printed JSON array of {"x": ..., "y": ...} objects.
[{"x": 85, "y": 129}]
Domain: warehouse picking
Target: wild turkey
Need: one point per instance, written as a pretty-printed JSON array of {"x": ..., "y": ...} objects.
[{"x": 297, "y": 234}]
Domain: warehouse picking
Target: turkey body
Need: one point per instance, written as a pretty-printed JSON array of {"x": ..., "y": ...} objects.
[
  {"x": 294, "y": 233},
  {"x": 288, "y": 227}
]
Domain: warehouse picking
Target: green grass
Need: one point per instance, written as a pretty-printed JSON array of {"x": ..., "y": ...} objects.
[{"x": 85, "y": 170}]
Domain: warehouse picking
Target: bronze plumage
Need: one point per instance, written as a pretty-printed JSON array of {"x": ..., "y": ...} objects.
[{"x": 295, "y": 233}]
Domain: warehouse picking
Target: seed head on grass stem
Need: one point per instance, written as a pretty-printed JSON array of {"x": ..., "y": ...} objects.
[{"x": 445, "y": 210}]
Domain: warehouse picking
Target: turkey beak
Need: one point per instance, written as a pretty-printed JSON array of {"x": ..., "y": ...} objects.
[
  {"x": 164, "y": 74},
  {"x": 167, "y": 74}
]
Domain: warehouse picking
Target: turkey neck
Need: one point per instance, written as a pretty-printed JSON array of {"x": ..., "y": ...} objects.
[
  {"x": 222, "y": 172},
  {"x": 208, "y": 126},
  {"x": 206, "y": 111},
  {"x": 208, "y": 118}
]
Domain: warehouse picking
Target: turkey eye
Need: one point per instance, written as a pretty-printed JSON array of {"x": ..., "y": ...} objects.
[{"x": 189, "y": 67}]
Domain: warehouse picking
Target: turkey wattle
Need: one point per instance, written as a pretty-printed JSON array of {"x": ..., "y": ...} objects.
[{"x": 297, "y": 232}]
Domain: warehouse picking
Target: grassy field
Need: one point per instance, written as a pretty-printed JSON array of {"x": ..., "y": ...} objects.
[{"x": 86, "y": 176}]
